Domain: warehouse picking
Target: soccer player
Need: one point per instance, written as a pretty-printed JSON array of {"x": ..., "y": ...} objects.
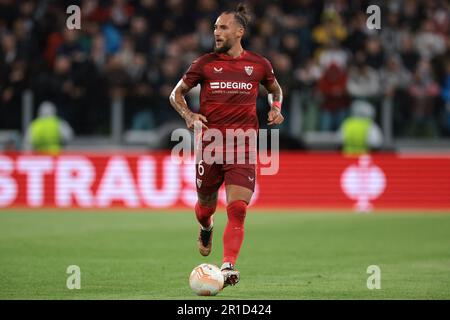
[{"x": 229, "y": 79}]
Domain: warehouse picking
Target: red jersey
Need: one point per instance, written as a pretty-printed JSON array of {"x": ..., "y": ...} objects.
[{"x": 229, "y": 87}]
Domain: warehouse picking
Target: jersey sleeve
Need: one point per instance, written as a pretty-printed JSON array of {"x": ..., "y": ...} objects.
[
  {"x": 269, "y": 76},
  {"x": 194, "y": 75}
]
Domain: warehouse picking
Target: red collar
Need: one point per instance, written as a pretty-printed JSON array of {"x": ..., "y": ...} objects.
[{"x": 227, "y": 57}]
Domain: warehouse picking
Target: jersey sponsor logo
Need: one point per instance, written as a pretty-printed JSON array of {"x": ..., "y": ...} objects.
[
  {"x": 248, "y": 70},
  {"x": 218, "y": 70},
  {"x": 231, "y": 85}
]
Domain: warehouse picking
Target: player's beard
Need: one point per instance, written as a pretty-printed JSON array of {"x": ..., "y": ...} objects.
[{"x": 224, "y": 48}]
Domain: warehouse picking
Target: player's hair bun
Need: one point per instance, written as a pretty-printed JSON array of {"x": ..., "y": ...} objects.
[
  {"x": 241, "y": 8},
  {"x": 242, "y": 15}
]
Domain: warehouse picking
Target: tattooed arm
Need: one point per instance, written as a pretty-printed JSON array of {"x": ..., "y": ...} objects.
[
  {"x": 178, "y": 102},
  {"x": 275, "y": 98}
]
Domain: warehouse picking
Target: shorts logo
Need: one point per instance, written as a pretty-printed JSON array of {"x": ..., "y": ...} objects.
[
  {"x": 231, "y": 85},
  {"x": 251, "y": 179},
  {"x": 199, "y": 183},
  {"x": 248, "y": 70}
]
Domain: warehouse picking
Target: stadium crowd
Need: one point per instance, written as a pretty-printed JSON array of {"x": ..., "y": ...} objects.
[{"x": 138, "y": 50}]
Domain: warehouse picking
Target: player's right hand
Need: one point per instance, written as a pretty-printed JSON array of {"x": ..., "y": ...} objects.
[{"x": 193, "y": 117}]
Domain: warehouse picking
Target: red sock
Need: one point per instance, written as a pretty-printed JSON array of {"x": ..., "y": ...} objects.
[
  {"x": 234, "y": 230},
  {"x": 204, "y": 214}
]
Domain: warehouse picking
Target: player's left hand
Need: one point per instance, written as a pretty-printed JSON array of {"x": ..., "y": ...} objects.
[{"x": 275, "y": 116}]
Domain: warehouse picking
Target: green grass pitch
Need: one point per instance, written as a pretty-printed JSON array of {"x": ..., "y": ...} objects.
[{"x": 149, "y": 255}]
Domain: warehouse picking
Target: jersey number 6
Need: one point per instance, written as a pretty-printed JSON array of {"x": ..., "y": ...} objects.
[{"x": 201, "y": 169}]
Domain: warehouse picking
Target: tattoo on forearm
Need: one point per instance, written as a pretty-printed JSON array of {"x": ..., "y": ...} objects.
[
  {"x": 179, "y": 103},
  {"x": 275, "y": 92},
  {"x": 277, "y": 97}
]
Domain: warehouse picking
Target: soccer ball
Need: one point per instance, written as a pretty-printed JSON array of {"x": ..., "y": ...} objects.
[{"x": 206, "y": 280}]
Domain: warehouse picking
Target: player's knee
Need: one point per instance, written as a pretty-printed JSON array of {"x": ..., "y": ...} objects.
[
  {"x": 208, "y": 201},
  {"x": 204, "y": 210},
  {"x": 237, "y": 210}
]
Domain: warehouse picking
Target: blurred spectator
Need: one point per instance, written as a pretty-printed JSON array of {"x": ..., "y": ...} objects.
[
  {"x": 359, "y": 134},
  {"x": 47, "y": 133},
  {"x": 409, "y": 55},
  {"x": 446, "y": 97},
  {"x": 439, "y": 13},
  {"x": 395, "y": 80},
  {"x": 331, "y": 28},
  {"x": 392, "y": 34},
  {"x": 332, "y": 88},
  {"x": 375, "y": 57},
  {"x": 423, "y": 90},
  {"x": 9, "y": 50},
  {"x": 394, "y": 76},
  {"x": 98, "y": 51},
  {"x": 13, "y": 80},
  {"x": 283, "y": 65},
  {"x": 71, "y": 47},
  {"x": 411, "y": 15},
  {"x": 332, "y": 53},
  {"x": 11, "y": 143},
  {"x": 139, "y": 34},
  {"x": 290, "y": 44},
  {"x": 204, "y": 34},
  {"x": 120, "y": 12},
  {"x": 136, "y": 50},
  {"x": 363, "y": 81},
  {"x": 93, "y": 11},
  {"x": 308, "y": 74},
  {"x": 116, "y": 77},
  {"x": 428, "y": 42},
  {"x": 113, "y": 38},
  {"x": 358, "y": 33}
]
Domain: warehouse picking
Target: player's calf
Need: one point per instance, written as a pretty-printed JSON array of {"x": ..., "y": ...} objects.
[{"x": 204, "y": 217}]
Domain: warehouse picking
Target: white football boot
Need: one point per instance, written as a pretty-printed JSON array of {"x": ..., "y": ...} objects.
[{"x": 230, "y": 276}]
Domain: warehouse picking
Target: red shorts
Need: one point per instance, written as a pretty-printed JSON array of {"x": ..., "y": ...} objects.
[{"x": 209, "y": 177}]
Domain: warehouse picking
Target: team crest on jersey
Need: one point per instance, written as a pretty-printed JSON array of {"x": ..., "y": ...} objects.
[{"x": 248, "y": 70}]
